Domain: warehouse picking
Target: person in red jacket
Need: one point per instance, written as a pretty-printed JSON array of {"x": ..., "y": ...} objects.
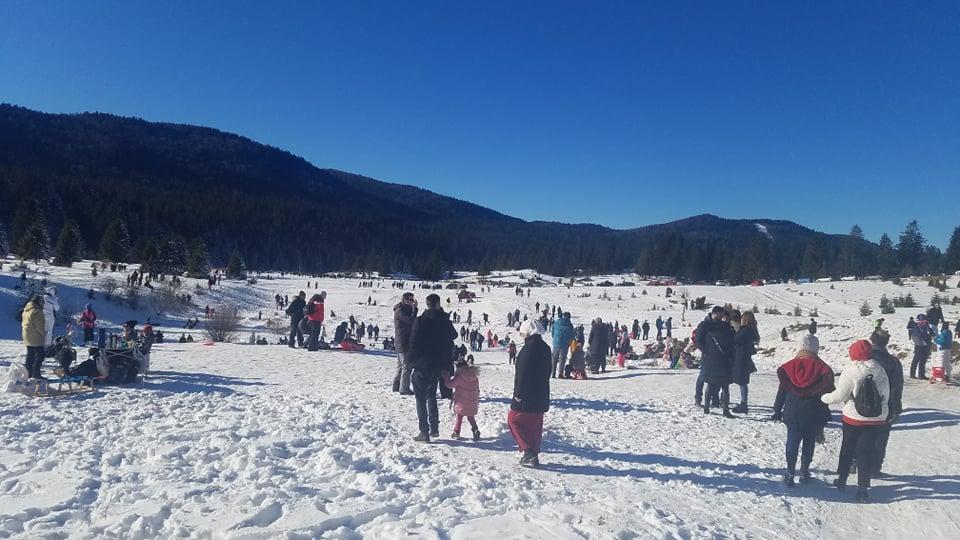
[
  {"x": 315, "y": 319},
  {"x": 88, "y": 319}
]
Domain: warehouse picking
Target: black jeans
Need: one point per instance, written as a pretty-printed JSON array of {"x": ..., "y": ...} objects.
[
  {"x": 881, "y": 449},
  {"x": 724, "y": 394},
  {"x": 918, "y": 367},
  {"x": 859, "y": 442},
  {"x": 425, "y": 391},
  {"x": 34, "y": 361},
  {"x": 295, "y": 332},
  {"x": 797, "y": 434}
]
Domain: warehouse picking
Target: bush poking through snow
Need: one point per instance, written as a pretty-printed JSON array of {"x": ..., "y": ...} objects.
[
  {"x": 108, "y": 286},
  {"x": 886, "y": 306},
  {"x": 865, "y": 309},
  {"x": 223, "y": 326}
]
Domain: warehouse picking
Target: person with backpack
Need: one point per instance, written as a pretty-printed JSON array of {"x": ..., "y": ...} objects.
[
  {"x": 864, "y": 390},
  {"x": 944, "y": 342},
  {"x": 894, "y": 370},
  {"x": 431, "y": 352},
  {"x": 404, "y": 313},
  {"x": 562, "y": 333},
  {"x": 803, "y": 381},
  {"x": 315, "y": 314},
  {"x": 922, "y": 336},
  {"x": 295, "y": 311},
  {"x": 715, "y": 338},
  {"x": 88, "y": 320}
]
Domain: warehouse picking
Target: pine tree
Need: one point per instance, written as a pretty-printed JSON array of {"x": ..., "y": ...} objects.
[
  {"x": 23, "y": 219},
  {"x": 115, "y": 242},
  {"x": 952, "y": 257},
  {"x": 35, "y": 241},
  {"x": 236, "y": 269},
  {"x": 68, "y": 250},
  {"x": 484, "y": 268},
  {"x": 198, "y": 260},
  {"x": 814, "y": 263},
  {"x": 4, "y": 243},
  {"x": 850, "y": 258},
  {"x": 886, "y": 306},
  {"x": 910, "y": 250},
  {"x": 865, "y": 309},
  {"x": 759, "y": 260},
  {"x": 173, "y": 256},
  {"x": 887, "y": 257},
  {"x": 432, "y": 268}
]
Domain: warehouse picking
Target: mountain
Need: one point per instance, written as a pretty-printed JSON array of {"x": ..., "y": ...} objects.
[{"x": 179, "y": 181}]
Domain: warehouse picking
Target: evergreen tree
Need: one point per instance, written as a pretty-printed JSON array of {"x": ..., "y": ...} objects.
[
  {"x": 952, "y": 256},
  {"x": 173, "y": 256},
  {"x": 865, "y": 309},
  {"x": 759, "y": 262},
  {"x": 23, "y": 219},
  {"x": 910, "y": 250},
  {"x": 4, "y": 243},
  {"x": 198, "y": 260},
  {"x": 236, "y": 268},
  {"x": 814, "y": 263},
  {"x": 886, "y": 306},
  {"x": 431, "y": 269},
  {"x": 484, "y": 268},
  {"x": 850, "y": 260},
  {"x": 35, "y": 241},
  {"x": 68, "y": 250},
  {"x": 115, "y": 242},
  {"x": 933, "y": 260},
  {"x": 887, "y": 257}
]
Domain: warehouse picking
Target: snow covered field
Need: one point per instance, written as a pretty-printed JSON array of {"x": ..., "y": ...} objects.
[{"x": 243, "y": 441}]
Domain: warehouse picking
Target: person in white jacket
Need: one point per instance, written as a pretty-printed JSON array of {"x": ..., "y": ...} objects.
[
  {"x": 860, "y": 432},
  {"x": 51, "y": 305}
]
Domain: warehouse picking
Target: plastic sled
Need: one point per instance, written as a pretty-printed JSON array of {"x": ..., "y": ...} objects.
[{"x": 938, "y": 374}]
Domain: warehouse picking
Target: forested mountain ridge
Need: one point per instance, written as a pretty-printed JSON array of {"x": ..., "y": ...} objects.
[{"x": 178, "y": 183}]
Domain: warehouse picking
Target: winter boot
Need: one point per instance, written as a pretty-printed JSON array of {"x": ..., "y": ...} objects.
[
  {"x": 455, "y": 435},
  {"x": 741, "y": 409},
  {"x": 698, "y": 402},
  {"x": 527, "y": 458},
  {"x": 706, "y": 409},
  {"x": 476, "y": 435},
  {"x": 840, "y": 483},
  {"x": 788, "y": 480},
  {"x": 805, "y": 477},
  {"x": 423, "y": 437},
  {"x": 726, "y": 414},
  {"x": 861, "y": 496},
  {"x": 435, "y": 434}
]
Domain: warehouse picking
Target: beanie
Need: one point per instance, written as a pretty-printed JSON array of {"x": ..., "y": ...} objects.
[
  {"x": 529, "y": 328},
  {"x": 860, "y": 350},
  {"x": 810, "y": 343}
]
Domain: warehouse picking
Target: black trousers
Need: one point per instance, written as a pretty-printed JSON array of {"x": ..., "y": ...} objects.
[
  {"x": 295, "y": 332},
  {"x": 859, "y": 442},
  {"x": 425, "y": 391},
  {"x": 918, "y": 368},
  {"x": 881, "y": 450},
  {"x": 724, "y": 394},
  {"x": 34, "y": 361}
]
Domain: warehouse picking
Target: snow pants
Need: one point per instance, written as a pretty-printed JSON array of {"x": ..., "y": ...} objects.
[
  {"x": 859, "y": 442},
  {"x": 798, "y": 435},
  {"x": 425, "y": 390},
  {"x": 459, "y": 423},
  {"x": 946, "y": 361},
  {"x": 527, "y": 429},
  {"x": 87, "y": 335},
  {"x": 401, "y": 380}
]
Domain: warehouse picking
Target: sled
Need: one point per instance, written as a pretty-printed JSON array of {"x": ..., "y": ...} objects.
[
  {"x": 60, "y": 387},
  {"x": 938, "y": 374}
]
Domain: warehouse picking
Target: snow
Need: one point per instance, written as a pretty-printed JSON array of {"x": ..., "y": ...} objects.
[
  {"x": 763, "y": 230},
  {"x": 243, "y": 441}
]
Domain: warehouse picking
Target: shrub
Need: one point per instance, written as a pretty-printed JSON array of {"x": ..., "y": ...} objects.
[
  {"x": 865, "y": 310},
  {"x": 108, "y": 286},
  {"x": 797, "y": 312},
  {"x": 223, "y": 326}
]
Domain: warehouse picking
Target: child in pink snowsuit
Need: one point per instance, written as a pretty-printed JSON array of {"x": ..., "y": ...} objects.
[{"x": 465, "y": 384}]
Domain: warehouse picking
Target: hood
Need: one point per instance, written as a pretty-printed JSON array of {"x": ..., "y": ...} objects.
[{"x": 806, "y": 375}]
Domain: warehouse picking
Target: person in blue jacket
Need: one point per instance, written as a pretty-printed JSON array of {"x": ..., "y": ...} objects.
[
  {"x": 944, "y": 341},
  {"x": 562, "y": 334}
]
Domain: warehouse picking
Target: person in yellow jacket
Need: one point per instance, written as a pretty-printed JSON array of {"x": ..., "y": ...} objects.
[{"x": 34, "y": 334}]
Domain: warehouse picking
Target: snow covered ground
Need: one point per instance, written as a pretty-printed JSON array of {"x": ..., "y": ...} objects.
[{"x": 243, "y": 441}]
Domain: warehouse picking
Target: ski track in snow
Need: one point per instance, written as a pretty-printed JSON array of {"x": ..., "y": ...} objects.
[{"x": 240, "y": 441}]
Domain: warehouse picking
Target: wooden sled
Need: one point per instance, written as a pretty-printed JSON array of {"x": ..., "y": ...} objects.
[{"x": 62, "y": 386}]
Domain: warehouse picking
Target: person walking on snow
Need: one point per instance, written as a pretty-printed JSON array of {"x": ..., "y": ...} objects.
[
  {"x": 562, "y": 333},
  {"x": 531, "y": 393},
  {"x": 861, "y": 425},
  {"x": 669, "y": 326},
  {"x": 894, "y": 369},
  {"x": 803, "y": 381},
  {"x": 88, "y": 320},
  {"x": 646, "y": 330},
  {"x": 745, "y": 346},
  {"x": 465, "y": 384},
  {"x": 431, "y": 351}
]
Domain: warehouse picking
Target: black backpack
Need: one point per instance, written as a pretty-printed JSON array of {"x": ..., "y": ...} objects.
[{"x": 868, "y": 401}]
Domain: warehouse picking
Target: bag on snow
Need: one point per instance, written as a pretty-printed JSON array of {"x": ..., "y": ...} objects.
[
  {"x": 868, "y": 401},
  {"x": 17, "y": 375}
]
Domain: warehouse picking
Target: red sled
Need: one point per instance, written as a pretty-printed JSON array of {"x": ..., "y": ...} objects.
[
  {"x": 350, "y": 346},
  {"x": 937, "y": 374}
]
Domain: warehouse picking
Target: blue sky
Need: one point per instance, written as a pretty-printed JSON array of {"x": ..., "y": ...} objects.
[{"x": 618, "y": 113}]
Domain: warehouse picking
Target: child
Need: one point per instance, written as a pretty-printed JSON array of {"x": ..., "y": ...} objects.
[
  {"x": 465, "y": 384},
  {"x": 577, "y": 368},
  {"x": 512, "y": 351}
]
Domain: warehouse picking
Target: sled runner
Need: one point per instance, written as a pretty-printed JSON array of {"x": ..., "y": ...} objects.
[{"x": 74, "y": 385}]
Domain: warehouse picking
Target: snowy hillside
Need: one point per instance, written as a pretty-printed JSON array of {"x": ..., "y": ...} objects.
[{"x": 244, "y": 441}]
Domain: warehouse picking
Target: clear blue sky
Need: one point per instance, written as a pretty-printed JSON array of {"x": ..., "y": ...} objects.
[{"x": 618, "y": 113}]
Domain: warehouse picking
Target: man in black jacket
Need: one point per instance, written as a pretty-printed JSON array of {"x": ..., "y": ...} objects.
[
  {"x": 891, "y": 364},
  {"x": 404, "y": 314},
  {"x": 715, "y": 341},
  {"x": 431, "y": 351},
  {"x": 295, "y": 311},
  {"x": 599, "y": 344}
]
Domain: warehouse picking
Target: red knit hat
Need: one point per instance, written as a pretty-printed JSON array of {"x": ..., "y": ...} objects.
[{"x": 860, "y": 350}]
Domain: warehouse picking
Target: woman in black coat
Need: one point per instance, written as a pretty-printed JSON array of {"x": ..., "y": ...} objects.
[
  {"x": 531, "y": 393},
  {"x": 715, "y": 340},
  {"x": 745, "y": 346}
]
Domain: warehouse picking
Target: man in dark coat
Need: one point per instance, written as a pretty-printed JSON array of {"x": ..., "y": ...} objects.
[
  {"x": 431, "y": 351},
  {"x": 599, "y": 345},
  {"x": 404, "y": 313},
  {"x": 531, "y": 393},
  {"x": 646, "y": 330},
  {"x": 715, "y": 341},
  {"x": 891, "y": 364},
  {"x": 295, "y": 311}
]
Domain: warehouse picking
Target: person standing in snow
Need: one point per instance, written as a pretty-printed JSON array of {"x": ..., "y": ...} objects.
[
  {"x": 562, "y": 333},
  {"x": 646, "y": 330},
  {"x": 803, "y": 381},
  {"x": 659, "y": 324},
  {"x": 911, "y": 324},
  {"x": 669, "y": 326},
  {"x": 894, "y": 370},
  {"x": 51, "y": 305},
  {"x": 922, "y": 342},
  {"x": 315, "y": 315},
  {"x": 295, "y": 310},
  {"x": 88, "y": 320},
  {"x": 465, "y": 383},
  {"x": 512, "y": 352},
  {"x": 33, "y": 327},
  {"x": 715, "y": 339},
  {"x": 431, "y": 351},
  {"x": 599, "y": 345},
  {"x": 860, "y": 431},
  {"x": 813, "y": 327},
  {"x": 531, "y": 393},
  {"x": 404, "y": 313},
  {"x": 745, "y": 346},
  {"x": 944, "y": 342}
]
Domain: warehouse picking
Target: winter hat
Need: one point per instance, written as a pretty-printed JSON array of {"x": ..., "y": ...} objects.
[
  {"x": 880, "y": 337},
  {"x": 529, "y": 328},
  {"x": 88, "y": 306},
  {"x": 810, "y": 343},
  {"x": 717, "y": 309},
  {"x": 860, "y": 350}
]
